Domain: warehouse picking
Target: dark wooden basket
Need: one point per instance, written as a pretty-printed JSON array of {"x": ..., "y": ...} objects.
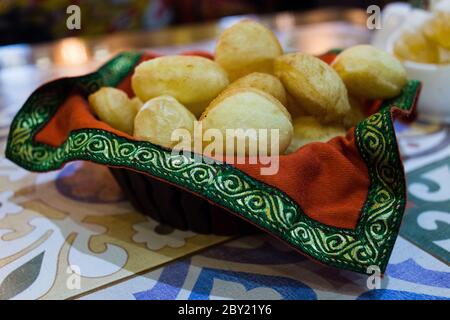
[{"x": 176, "y": 207}]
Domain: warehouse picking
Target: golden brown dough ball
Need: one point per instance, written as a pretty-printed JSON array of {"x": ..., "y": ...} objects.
[
  {"x": 248, "y": 108},
  {"x": 355, "y": 115},
  {"x": 294, "y": 108},
  {"x": 315, "y": 86},
  {"x": 247, "y": 47},
  {"x": 114, "y": 107},
  {"x": 264, "y": 82},
  {"x": 307, "y": 129},
  {"x": 136, "y": 103},
  {"x": 370, "y": 73},
  {"x": 157, "y": 120},
  {"x": 193, "y": 81}
]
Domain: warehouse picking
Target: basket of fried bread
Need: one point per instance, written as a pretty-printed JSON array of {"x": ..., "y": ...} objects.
[{"x": 299, "y": 146}]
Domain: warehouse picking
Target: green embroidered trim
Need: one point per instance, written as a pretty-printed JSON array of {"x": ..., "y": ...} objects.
[{"x": 369, "y": 244}]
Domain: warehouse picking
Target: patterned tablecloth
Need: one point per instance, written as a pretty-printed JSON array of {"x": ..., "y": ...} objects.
[{"x": 71, "y": 234}]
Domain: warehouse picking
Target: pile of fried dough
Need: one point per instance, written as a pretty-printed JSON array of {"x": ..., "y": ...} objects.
[{"x": 251, "y": 84}]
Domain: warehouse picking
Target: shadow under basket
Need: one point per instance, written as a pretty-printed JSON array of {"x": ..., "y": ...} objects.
[{"x": 175, "y": 207}]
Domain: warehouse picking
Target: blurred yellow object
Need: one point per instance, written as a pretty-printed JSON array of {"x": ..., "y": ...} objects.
[
  {"x": 114, "y": 107},
  {"x": 438, "y": 29},
  {"x": 415, "y": 46}
]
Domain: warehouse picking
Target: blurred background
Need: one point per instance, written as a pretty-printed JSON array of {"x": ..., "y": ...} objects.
[{"x": 34, "y": 21}]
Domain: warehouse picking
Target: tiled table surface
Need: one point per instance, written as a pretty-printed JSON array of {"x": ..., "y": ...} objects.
[{"x": 70, "y": 234}]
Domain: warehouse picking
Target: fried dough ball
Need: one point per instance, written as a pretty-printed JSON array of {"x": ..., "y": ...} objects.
[
  {"x": 248, "y": 108},
  {"x": 315, "y": 86},
  {"x": 247, "y": 47},
  {"x": 415, "y": 46},
  {"x": 264, "y": 82},
  {"x": 159, "y": 118},
  {"x": 193, "y": 81},
  {"x": 114, "y": 107},
  {"x": 370, "y": 73},
  {"x": 307, "y": 129},
  {"x": 294, "y": 107},
  {"x": 136, "y": 103},
  {"x": 355, "y": 115},
  {"x": 438, "y": 28}
]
